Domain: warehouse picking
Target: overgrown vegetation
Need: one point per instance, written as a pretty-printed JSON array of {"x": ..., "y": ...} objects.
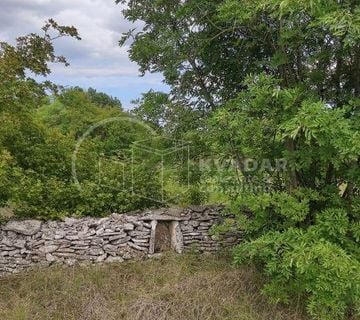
[
  {"x": 268, "y": 91},
  {"x": 40, "y": 131},
  {"x": 269, "y": 80}
]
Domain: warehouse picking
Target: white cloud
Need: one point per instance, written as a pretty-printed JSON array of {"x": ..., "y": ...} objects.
[{"x": 97, "y": 57}]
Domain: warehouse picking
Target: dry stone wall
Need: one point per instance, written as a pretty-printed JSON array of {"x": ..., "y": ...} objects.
[
  {"x": 119, "y": 237},
  {"x": 196, "y": 231}
]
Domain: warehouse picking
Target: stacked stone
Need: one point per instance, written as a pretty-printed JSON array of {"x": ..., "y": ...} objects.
[
  {"x": 116, "y": 238},
  {"x": 197, "y": 233}
]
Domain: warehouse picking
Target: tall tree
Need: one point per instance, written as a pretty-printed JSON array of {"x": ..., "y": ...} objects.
[{"x": 276, "y": 79}]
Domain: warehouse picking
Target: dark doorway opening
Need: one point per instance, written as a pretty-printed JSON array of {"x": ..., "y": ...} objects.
[{"x": 162, "y": 237}]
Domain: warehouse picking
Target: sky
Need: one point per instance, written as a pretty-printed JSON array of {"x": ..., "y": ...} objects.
[{"x": 96, "y": 61}]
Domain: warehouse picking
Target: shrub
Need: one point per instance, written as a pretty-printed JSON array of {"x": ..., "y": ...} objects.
[
  {"x": 318, "y": 261},
  {"x": 302, "y": 263}
]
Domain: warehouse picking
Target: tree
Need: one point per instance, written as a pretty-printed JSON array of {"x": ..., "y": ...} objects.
[
  {"x": 275, "y": 80},
  {"x": 152, "y": 107},
  {"x": 102, "y": 99},
  {"x": 38, "y": 136},
  {"x": 20, "y": 95},
  {"x": 185, "y": 41}
]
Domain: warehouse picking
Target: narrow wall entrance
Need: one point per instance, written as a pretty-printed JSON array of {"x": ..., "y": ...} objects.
[
  {"x": 165, "y": 236},
  {"x": 162, "y": 237}
]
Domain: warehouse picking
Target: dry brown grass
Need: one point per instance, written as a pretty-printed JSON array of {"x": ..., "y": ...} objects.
[{"x": 185, "y": 287}]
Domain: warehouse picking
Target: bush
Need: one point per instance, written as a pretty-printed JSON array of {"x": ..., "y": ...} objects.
[
  {"x": 317, "y": 260},
  {"x": 44, "y": 197},
  {"x": 301, "y": 263}
]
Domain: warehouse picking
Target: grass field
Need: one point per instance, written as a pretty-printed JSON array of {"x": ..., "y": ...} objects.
[{"x": 185, "y": 287}]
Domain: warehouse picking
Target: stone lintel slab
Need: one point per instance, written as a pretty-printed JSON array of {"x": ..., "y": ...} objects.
[{"x": 164, "y": 217}]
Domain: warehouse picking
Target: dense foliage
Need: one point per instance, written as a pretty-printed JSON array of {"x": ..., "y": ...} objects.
[
  {"x": 273, "y": 81},
  {"x": 266, "y": 91},
  {"x": 38, "y": 135}
]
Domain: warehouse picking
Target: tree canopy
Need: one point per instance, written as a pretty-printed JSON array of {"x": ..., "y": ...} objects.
[{"x": 274, "y": 80}]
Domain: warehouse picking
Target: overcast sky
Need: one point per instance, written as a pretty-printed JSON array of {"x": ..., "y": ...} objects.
[{"x": 96, "y": 61}]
